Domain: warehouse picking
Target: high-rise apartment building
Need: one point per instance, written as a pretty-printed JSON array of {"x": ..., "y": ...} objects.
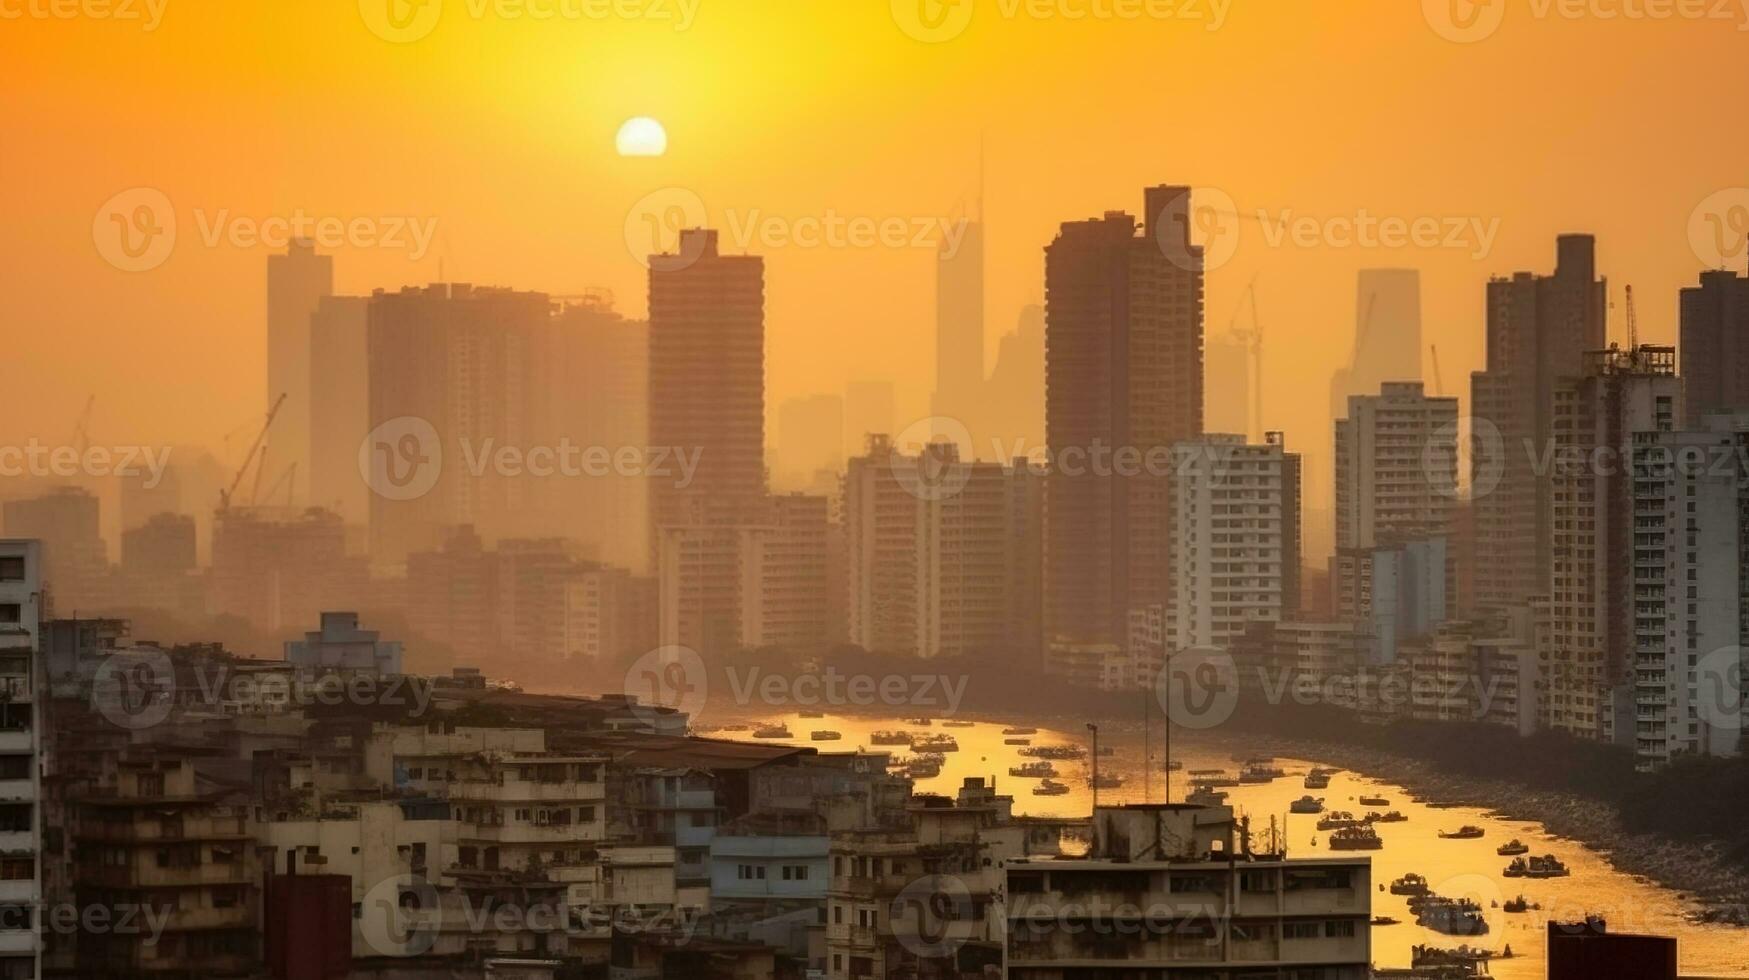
[
  {"x": 707, "y": 379},
  {"x": 1234, "y": 543},
  {"x": 1396, "y": 465},
  {"x": 725, "y": 587},
  {"x": 1396, "y": 483},
  {"x": 296, "y": 283},
  {"x": 280, "y": 569},
  {"x": 1691, "y": 585},
  {"x": 1123, "y": 383},
  {"x": 1715, "y": 345},
  {"x": 456, "y": 377},
  {"x": 598, "y": 396},
  {"x": 22, "y": 613},
  {"x": 944, "y": 554},
  {"x": 1539, "y": 330},
  {"x": 66, "y": 521},
  {"x": 1599, "y": 417}
]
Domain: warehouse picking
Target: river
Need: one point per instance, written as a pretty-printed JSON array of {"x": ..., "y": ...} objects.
[{"x": 1455, "y": 868}]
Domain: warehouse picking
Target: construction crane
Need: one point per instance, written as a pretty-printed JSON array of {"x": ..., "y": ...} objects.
[
  {"x": 258, "y": 448},
  {"x": 1438, "y": 381},
  {"x": 81, "y": 427},
  {"x": 1633, "y": 322}
]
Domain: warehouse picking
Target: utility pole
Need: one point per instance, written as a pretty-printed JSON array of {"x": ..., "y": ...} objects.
[{"x": 1095, "y": 730}]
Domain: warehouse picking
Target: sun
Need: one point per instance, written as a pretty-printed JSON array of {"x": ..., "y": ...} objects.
[{"x": 641, "y": 136}]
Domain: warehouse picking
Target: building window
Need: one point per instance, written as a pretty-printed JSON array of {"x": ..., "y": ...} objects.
[
  {"x": 11, "y": 568},
  {"x": 11, "y": 613}
]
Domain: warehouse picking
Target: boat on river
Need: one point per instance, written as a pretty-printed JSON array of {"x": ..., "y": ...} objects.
[
  {"x": 1033, "y": 770},
  {"x": 1374, "y": 801},
  {"x": 1547, "y": 866},
  {"x": 1020, "y": 730},
  {"x": 890, "y": 738},
  {"x": 1466, "y": 832},
  {"x": 1317, "y": 779},
  {"x": 958, "y": 724},
  {"x": 1205, "y": 796},
  {"x": 1212, "y": 777},
  {"x": 1451, "y": 916},
  {"x": 826, "y": 735},
  {"x": 1050, "y": 787},
  {"x": 1410, "y": 884},
  {"x": 1017, "y": 741},
  {"x": 1259, "y": 771},
  {"x": 1337, "y": 819},
  {"x": 773, "y": 731},
  {"x": 1512, "y": 848},
  {"x": 935, "y": 743},
  {"x": 1355, "y": 839},
  {"x": 1306, "y": 804},
  {"x": 1060, "y": 752}
]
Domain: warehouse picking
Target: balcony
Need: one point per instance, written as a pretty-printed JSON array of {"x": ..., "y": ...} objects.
[{"x": 17, "y": 790}]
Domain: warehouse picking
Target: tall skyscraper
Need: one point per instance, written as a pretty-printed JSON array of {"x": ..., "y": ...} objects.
[
  {"x": 597, "y": 371},
  {"x": 24, "y": 680},
  {"x": 1387, "y": 335},
  {"x": 1539, "y": 330},
  {"x": 455, "y": 376},
  {"x": 1123, "y": 375},
  {"x": 1235, "y": 540},
  {"x": 944, "y": 571},
  {"x": 959, "y": 331},
  {"x": 1622, "y": 398},
  {"x": 1015, "y": 391},
  {"x": 296, "y": 283},
  {"x": 707, "y": 379},
  {"x": 1715, "y": 345},
  {"x": 1691, "y": 581},
  {"x": 340, "y": 413},
  {"x": 1227, "y": 385}
]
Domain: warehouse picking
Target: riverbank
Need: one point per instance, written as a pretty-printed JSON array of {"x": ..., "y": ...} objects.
[{"x": 1703, "y": 871}]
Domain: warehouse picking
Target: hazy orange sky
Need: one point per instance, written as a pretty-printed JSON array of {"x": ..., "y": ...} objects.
[{"x": 499, "y": 126}]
